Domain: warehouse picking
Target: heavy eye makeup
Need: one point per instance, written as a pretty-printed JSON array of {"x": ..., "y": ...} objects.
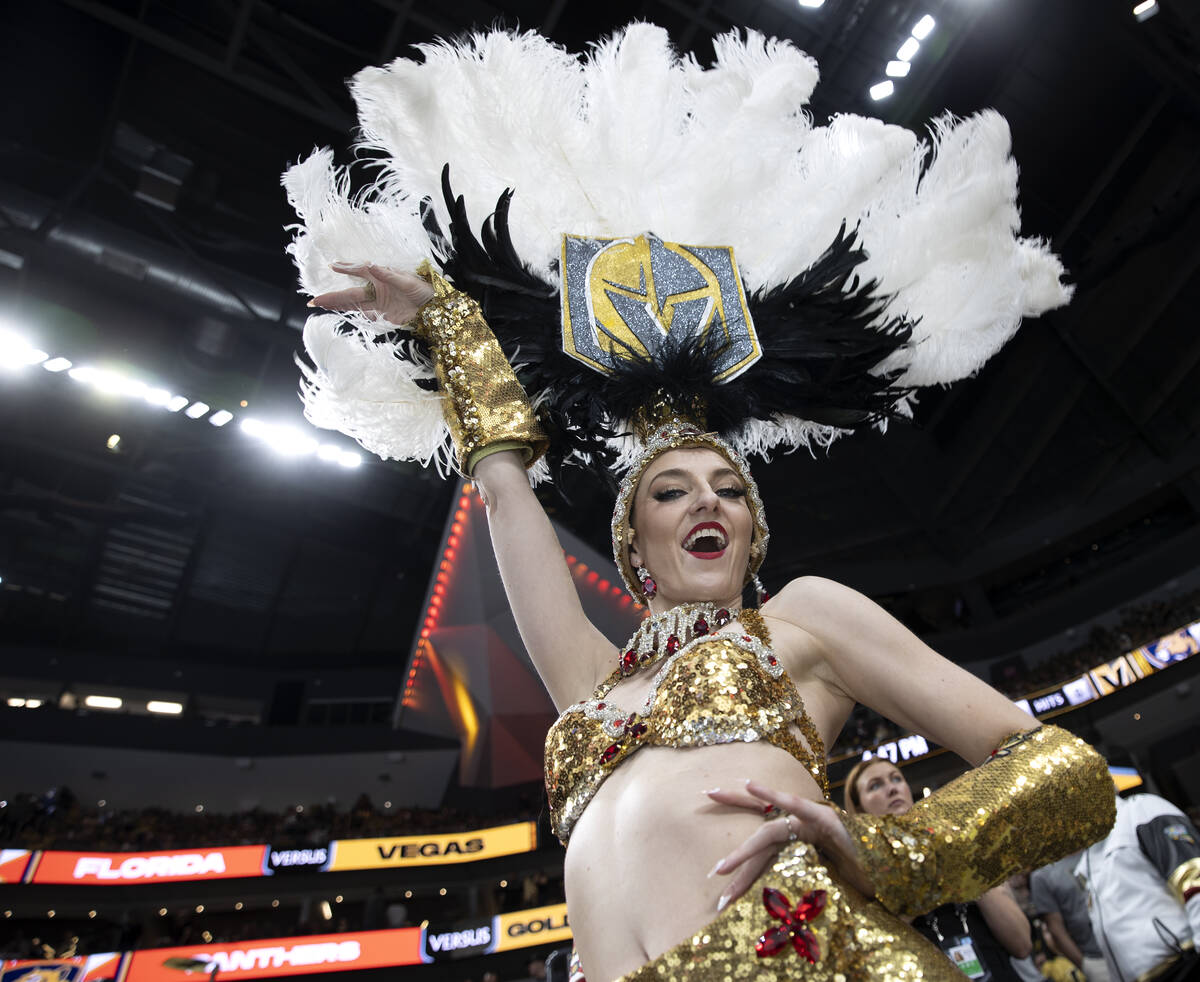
[{"x": 669, "y": 494}]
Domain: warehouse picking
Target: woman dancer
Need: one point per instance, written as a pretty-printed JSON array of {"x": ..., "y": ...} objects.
[
  {"x": 710, "y": 694},
  {"x": 983, "y": 934},
  {"x": 671, "y": 870}
]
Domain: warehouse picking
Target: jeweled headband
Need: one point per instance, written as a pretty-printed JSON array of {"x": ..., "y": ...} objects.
[{"x": 676, "y": 435}]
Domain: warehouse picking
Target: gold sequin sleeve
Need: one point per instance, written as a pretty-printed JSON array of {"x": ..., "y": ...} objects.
[
  {"x": 1041, "y": 795},
  {"x": 485, "y": 406}
]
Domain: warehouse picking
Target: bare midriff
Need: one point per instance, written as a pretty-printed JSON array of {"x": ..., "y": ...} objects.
[{"x": 637, "y": 865}]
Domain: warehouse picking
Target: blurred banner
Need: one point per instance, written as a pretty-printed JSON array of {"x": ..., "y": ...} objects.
[
  {"x": 1103, "y": 680},
  {"x": 271, "y": 958},
  {"x": 110, "y": 868},
  {"x": 523, "y": 928},
  {"x": 123, "y": 868},
  {"x": 504, "y": 932},
  {"x": 433, "y": 850},
  {"x": 83, "y": 968},
  {"x": 13, "y": 864}
]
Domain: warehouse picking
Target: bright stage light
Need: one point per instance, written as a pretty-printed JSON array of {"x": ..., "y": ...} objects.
[
  {"x": 285, "y": 440},
  {"x": 882, "y": 90},
  {"x": 924, "y": 28},
  {"x": 125, "y": 386},
  {"x": 16, "y": 352},
  {"x": 908, "y": 49},
  {"x": 113, "y": 441},
  {"x": 166, "y": 708},
  {"x": 812, "y": 3},
  {"x": 290, "y": 442},
  {"x": 115, "y": 384},
  {"x": 897, "y": 69},
  {"x": 1145, "y": 10},
  {"x": 102, "y": 702}
]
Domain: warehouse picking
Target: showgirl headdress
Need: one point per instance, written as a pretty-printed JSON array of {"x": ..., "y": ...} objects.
[{"x": 663, "y": 246}]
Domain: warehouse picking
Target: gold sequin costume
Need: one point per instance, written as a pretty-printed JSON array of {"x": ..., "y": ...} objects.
[
  {"x": 853, "y": 938},
  {"x": 1040, "y": 796},
  {"x": 485, "y": 407},
  {"x": 723, "y": 688}
]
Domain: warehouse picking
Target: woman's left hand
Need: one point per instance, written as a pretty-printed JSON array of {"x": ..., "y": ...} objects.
[{"x": 801, "y": 819}]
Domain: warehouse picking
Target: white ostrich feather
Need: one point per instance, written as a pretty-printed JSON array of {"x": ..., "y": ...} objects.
[
  {"x": 369, "y": 393},
  {"x": 632, "y": 137}
]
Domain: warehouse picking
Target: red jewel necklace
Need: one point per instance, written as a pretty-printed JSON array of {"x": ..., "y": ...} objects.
[{"x": 661, "y": 635}]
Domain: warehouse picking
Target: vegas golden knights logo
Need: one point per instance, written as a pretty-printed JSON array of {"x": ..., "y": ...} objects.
[{"x": 622, "y": 296}]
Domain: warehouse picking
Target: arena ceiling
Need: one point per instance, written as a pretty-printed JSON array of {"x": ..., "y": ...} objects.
[{"x": 142, "y": 224}]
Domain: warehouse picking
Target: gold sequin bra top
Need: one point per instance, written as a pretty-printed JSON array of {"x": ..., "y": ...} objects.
[{"x": 720, "y": 688}]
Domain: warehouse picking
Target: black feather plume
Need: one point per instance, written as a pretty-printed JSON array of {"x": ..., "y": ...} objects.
[{"x": 822, "y": 335}]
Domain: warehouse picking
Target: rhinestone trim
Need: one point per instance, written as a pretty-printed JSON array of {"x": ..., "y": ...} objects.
[{"x": 613, "y": 719}]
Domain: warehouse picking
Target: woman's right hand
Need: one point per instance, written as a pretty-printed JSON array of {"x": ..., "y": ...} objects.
[
  {"x": 390, "y": 295},
  {"x": 799, "y": 818}
]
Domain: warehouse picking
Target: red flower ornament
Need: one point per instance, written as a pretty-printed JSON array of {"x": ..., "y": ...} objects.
[{"x": 794, "y": 927}]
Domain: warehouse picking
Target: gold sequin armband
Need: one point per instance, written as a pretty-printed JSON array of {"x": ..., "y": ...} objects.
[
  {"x": 1041, "y": 795},
  {"x": 1184, "y": 883},
  {"x": 485, "y": 406}
]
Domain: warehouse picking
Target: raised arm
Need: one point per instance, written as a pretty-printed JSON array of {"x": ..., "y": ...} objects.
[
  {"x": 567, "y": 649},
  {"x": 496, "y": 435}
]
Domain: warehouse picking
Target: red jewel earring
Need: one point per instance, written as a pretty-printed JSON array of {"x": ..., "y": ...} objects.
[{"x": 649, "y": 587}]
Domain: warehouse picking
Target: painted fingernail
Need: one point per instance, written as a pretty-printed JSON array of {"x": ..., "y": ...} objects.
[
  {"x": 716, "y": 869},
  {"x": 711, "y": 791},
  {"x": 723, "y": 902}
]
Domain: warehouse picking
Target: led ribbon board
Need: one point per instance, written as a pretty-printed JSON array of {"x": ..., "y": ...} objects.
[
  {"x": 504, "y": 932},
  {"x": 523, "y": 928},
  {"x": 81, "y": 968},
  {"x": 433, "y": 850},
  {"x": 271, "y": 958},
  {"x": 230, "y": 862},
  {"x": 1103, "y": 680},
  {"x": 123, "y": 868},
  {"x": 13, "y": 864}
]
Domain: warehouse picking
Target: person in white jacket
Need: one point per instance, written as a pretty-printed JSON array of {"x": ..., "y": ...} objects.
[{"x": 1143, "y": 888}]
